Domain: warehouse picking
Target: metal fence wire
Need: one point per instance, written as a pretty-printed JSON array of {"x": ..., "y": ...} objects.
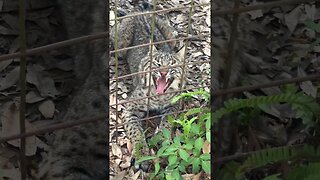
[{"x": 28, "y": 52}]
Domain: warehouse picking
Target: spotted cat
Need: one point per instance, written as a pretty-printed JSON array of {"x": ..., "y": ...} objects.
[
  {"x": 81, "y": 152},
  {"x": 136, "y": 31}
]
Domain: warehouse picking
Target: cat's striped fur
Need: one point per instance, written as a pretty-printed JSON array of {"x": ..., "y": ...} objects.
[{"x": 136, "y": 31}]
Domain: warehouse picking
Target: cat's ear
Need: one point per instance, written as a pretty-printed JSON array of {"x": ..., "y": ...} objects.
[
  {"x": 153, "y": 49},
  {"x": 181, "y": 53}
]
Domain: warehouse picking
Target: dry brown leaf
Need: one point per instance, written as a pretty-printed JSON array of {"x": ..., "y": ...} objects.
[
  {"x": 7, "y": 31},
  {"x": 4, "y": 64},
  {"x": 180, "y": 18},
  {"x": 307, "y": 86},
  {"x": 44, "y": 84},
  {"x": 33, "y": 97},
  {"x": 47, "y": 108},
  {"x": 136, "y": 175},
  {"x": 13, "y": 174},
  {"x": 5, "y": 155},
  {"x": 116, "y": 150},
  {"x": 11, "y": 126},
  {"x": 197, "y": 176},
  {"x": 207, "y": 51},
  {"x": 10, "y": 79},
  {"x": 292, "y": 18},
  {"x": 129, "y": 146},
  {"x": 112, "y": 16},
  {"x": 11, "y": 20},
  {"x": 206, "y": 147},
  {"x": 120, "y": 175}
]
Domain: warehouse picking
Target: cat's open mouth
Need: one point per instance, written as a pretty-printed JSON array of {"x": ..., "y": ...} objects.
[{"x": 162, "y": 84}]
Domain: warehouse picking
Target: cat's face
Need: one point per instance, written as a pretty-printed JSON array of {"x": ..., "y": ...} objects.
[{"x": 168, "y": 79}]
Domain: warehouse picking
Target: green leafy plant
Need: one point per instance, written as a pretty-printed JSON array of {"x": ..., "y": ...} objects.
[
  {"x": 185, "y": 152},
  {"x": 305, "y": 106},
  {"x": 265, "y": 157}
]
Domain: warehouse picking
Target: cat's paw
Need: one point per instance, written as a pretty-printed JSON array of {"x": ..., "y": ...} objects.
[{"x": 144, "y": 166}]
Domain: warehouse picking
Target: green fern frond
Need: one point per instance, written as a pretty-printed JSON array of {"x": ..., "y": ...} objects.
[
  {"x": 306, "y": 172},
  {"x": 275, "y": 155},
  {"x": 306, "y": 105}
]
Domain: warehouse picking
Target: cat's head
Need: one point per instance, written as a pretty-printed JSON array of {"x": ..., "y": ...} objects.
[{"x": 169, "y": 79}]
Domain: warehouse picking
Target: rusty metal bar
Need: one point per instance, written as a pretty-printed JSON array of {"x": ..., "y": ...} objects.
[
  {"x": 117, "y": 65},
  {"x": 161, "y": 11},
  {"x": 158, "y": 42},
  {"x": 22, "y": 80},
  {"x": 165, "y": 67},
  {"x": 65, "y": 124},
  {"x": 311, "y": 77},
  {"x": 176, "y": 91},
  {"x": 53, "y": 46},
  {"x": 259, "y": 6},
  {"x": 70, "y": 123},
  {"x": 224, "y": 130},
  {"x": 151, "y": 55},
  {"x": 82, "y": 39}
]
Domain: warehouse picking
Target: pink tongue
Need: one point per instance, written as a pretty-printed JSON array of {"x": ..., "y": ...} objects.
[{"x": 161, "y": 84}]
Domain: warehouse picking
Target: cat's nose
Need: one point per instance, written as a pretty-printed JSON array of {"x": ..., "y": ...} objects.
[{"x": 163, "y": 73}]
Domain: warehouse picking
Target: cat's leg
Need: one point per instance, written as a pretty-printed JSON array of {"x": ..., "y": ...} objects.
[
  {"x": 166, "y": 30},
  {"x": 134, "y": 130},
  {"x": 164, "y": 119},
  {"x": 122, "y": 34}
]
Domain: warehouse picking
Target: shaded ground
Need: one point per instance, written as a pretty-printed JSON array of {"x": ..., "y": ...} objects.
[
  {"x": 50, "y": 81},
  {"x": 272, "y": 44}
]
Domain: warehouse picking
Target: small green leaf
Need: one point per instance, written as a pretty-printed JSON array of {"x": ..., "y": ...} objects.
[
  {"x": 171, "y": 149},
  {"x": 206, "y": 166},
  {"x": 166, "y": 133},
  {"x": 175, "y": 99},
  {"x": 198, "y": 144},
  {"x": 189, "y": 145},
  {"x": 195, "y": 128},
  {"x": 173, "y": 159},
  {"x": 170, "y": 119},
  {"x": 166, "y": 142},
  {"x": 161, "y": 150},
  {"x": 196, "y": 152},
  {"x": 196, "y": 165},
  {"x": 156, "y": 167},
  {"x": 167, "y": 154},
  {"x": 205, "y": 156},
  {"x": 183, "y": 154},
  {"x": 312, "y": 25},
  {"x": 177, "y": 140},
  {"x": 208, "y": 136},
  {"x": 176, "y": 174},
  {"x": 182, "y": 168},
  {"x": 145, "y": 158}
]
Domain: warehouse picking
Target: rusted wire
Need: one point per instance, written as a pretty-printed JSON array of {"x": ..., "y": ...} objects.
[
  {"x": 71, "y": 123},
  {"x": 53, "y": 46},
  {"x": 151, "y": 55},
  {"x": 158, "y": 69},
  {"x": 160, "y": 11},
  {"x": 117, "y": 65},
  {"x": 51, "y": 128},
  {"x": 259, "y": 6},
  {"x": 224, "y": 136},
  {"x": 266, "y": 85},
  {"x": 138, "y": 99},
  {"x": 22, "y": 107},
  {"x": 158, "y": 42},
  {"x": 82, "y": 39}
]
